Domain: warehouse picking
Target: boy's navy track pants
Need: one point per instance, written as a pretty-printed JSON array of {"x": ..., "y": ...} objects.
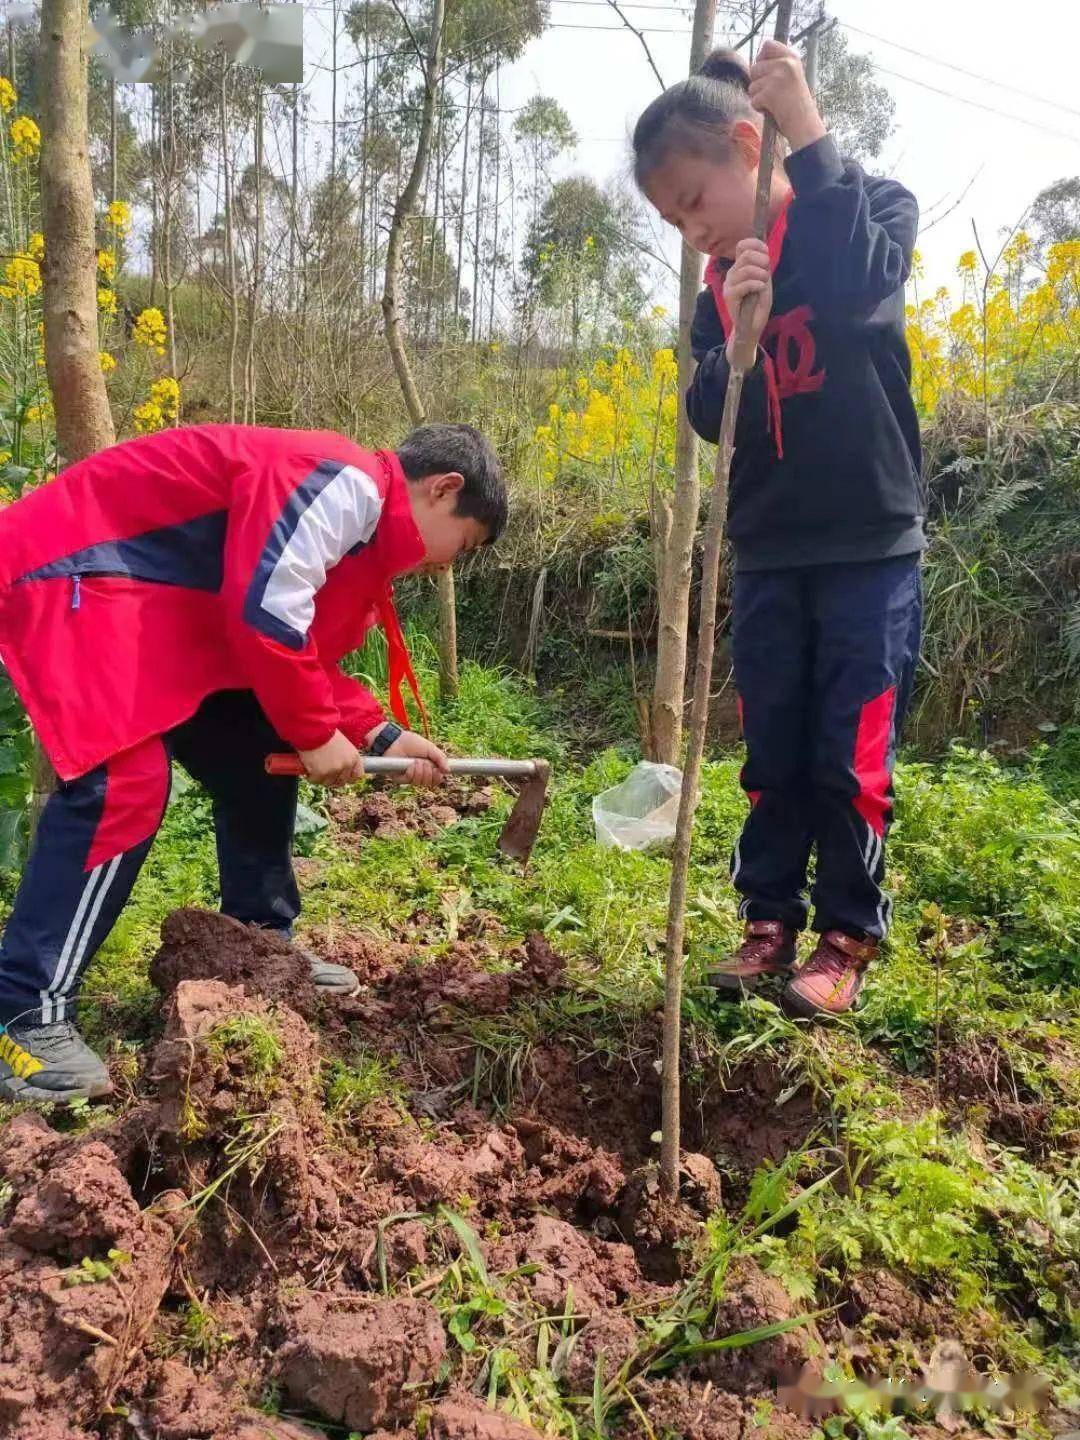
[
  {"x": 824, "y": 659},
  {"x": 96, "y": 831}
]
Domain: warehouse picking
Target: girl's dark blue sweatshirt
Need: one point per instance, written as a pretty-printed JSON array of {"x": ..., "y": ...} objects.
[{"x": 827, "y": 458}]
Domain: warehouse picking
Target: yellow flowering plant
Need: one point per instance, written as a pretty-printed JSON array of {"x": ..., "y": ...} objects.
[
  {"x": 150, "y": 330},
  {"x": 1014, "y": 325},
  {"x": 616, "y": 422},
  {"x": 25, "y": 137}
]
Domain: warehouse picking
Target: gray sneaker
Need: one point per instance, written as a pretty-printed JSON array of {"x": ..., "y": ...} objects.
[
  {"x": 336, "y": 980},
  {"x": 49, "y": 1064}
]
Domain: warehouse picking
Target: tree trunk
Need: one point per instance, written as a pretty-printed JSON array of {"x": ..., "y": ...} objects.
[
  {"x": 230, "y": 247},
  {"x": 168, "y": 176},
  {"x": 256, "y": 267},
  {"x": 461, "y": 205},
  {"x": 479, "y": 208},
  {"x": 699, "y": 713},
  {"x": 69, "y": 271},
  {"x": 676, "y": 525},
  {"x": 391, "y": 305},
  {"x": 113, "y": 156},
  {"x": 495, "y": 215}
]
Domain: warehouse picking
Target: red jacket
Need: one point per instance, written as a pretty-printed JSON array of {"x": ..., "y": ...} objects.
[{"x": 214, "y": 557}]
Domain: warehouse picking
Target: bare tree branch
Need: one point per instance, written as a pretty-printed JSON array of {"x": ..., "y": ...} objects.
[{"x": 644, "y": 43}]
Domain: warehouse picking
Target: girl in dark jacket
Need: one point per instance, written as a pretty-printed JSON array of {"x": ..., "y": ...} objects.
[{"x": 825, "y": 511}]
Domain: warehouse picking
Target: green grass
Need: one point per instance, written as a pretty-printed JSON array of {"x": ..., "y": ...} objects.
[{"x": 985, "y": 865}]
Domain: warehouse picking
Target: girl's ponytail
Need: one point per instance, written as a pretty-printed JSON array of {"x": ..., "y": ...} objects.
[
  {"x": 695, "y": 116},
  {"x": 727, "y": 67}
]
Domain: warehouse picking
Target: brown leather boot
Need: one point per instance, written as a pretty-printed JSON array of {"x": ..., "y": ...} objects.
[
  {"x": 830, "y": 981},
  {"x": 768, "y": 948}
]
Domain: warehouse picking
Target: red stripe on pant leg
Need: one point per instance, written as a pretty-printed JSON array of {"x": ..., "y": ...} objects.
[
  {"x": 752, "y": 795},
  {"x": 872, "y": 759},
  {"x": 136, "y": 789}
]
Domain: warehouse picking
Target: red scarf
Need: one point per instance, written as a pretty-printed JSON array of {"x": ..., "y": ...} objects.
[
  {"x": 715, "y": 273},
  {"x": 400, "y": 665}
]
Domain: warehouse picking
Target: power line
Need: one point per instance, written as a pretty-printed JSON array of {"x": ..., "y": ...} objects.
[
  {"x": 947, "y": 65},
  {"x": 976, "y": 104}
]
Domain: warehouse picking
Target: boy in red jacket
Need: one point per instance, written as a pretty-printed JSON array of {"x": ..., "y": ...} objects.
[{"x": 189, "y": 595}]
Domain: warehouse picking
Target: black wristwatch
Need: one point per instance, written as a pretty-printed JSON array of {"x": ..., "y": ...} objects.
[{"x": 385, "y": 738}]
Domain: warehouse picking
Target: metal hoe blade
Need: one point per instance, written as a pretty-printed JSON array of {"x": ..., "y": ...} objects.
[{"x": 523, "y": 823}]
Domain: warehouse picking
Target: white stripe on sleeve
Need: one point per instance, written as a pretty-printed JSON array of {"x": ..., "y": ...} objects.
[{"x": 344, "y": 514}]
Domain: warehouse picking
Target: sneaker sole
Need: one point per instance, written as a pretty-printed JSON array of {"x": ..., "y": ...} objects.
[
  {"x": 800, "y": 1008},
  {"x": 339, "y": 991},
  {"x": 18, "y": 1091}
]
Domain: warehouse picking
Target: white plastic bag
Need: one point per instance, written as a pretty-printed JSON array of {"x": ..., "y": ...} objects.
[{"x": 640, "y": 813}]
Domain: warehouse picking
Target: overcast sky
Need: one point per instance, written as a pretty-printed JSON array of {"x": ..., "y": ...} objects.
[{"x": 940, "y": 143}]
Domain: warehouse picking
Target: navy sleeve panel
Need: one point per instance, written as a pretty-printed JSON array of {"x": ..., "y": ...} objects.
[
  {"x": 705, "y": 397},
  {"x": 852, "y": 235}
]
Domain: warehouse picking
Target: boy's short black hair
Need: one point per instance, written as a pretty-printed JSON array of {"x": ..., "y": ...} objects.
[{"x": 444, "y": 449}]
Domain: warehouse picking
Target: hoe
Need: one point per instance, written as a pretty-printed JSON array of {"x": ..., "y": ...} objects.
[{"x": 518, "y": 834}]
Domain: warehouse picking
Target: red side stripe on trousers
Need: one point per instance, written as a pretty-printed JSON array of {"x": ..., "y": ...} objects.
[
  {"x": 136, "y": 788},
  {"x": 872, "y": 759}
]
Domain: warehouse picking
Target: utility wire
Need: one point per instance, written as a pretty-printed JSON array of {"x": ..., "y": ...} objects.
[{"x": 945, "y": 64}]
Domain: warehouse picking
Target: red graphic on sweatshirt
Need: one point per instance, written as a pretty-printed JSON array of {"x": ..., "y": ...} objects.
[
  {"x": 789, "y": 365},
  {"x": 795, "y": 352}
]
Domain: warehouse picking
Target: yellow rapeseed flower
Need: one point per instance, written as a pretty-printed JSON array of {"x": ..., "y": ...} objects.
[
  {"x": 150, "y": 329},
  {"x": 106, "y": 361},
  {"x": 165, "y": 394},
  {"x": 25, "y": 137},
  {"x": 106, "y": 264},
  {"x": 968, "y": 263},
  {"x": 23, "y": 275},
  {"x": 148, "y": 417},
  {"x": 118, "y": 217},
  {"x": 106, "y": 300},
  {"x": 35, "y": 246},
  {"x": 8, "y": 95},
  {"x": 38, "y": 412}
]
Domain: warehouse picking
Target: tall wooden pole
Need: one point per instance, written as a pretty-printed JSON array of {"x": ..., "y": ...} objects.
[
  {"x": 699, "y": 714},
  {"x": 391, "y": 304},
  {"x": 678, "y": 522}
]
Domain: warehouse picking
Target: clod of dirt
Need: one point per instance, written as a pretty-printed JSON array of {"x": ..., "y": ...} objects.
[
  {"x": 186, "y": 1406},
  {"x": 200, "y": 945},
  {"x": 691, "y": 1412},
  {"x": 387, "y": 814},
  {"x": 214, "y": 1104},
  {"x": 484, "y": 1169},
  {"x": 597, "y": 1273},
  {"x": 544, "y": 967},
  {"x": 46, "y": 1428},
  {"x": 82, "y": 1205},
  {"x": 880, "y": 1303},
  {"x": 181, "y": 1405},
  {"x": 751, "y": 1300},
  {"x": 607, "y": 1341},
  {"x": 978, "y": 1072},
  {"x": 570, "y": 1174},
  {"x": 463, "y": 1417},
  {"x": 698, "y": 1411},
  {"x": 699, "y": 1184},
  {"x": 662, "y": 1231},
  {"x": 359, "y": 1364},
  {"x": 28, "y": 1139},
  {"x": 64, "y": 1347}
]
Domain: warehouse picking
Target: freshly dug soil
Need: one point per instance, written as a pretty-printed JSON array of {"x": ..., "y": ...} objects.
[{"x": 235, "y": 1239}]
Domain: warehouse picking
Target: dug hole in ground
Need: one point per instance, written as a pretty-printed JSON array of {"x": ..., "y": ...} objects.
[{"x": 305, "y": 1218}]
